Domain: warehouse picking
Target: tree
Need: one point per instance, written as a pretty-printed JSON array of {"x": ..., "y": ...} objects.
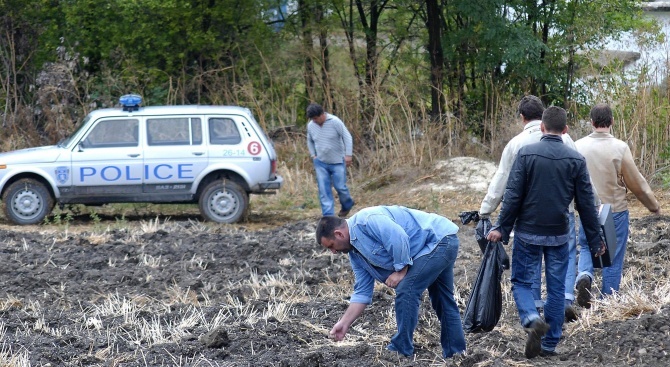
[
  {"x": 307, "y": 41},
  {"x": 434, "y": 25}
]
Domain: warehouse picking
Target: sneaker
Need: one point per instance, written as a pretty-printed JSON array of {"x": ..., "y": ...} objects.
[
  {"x": 536, "y": 331},
  {"x": 548, "y": 353},
  {"x": 343, "y": 213},
  {"x": 570, "y": 313},
  {"x": 584, "y": 292},
  {"x": 390, "y": 351}
]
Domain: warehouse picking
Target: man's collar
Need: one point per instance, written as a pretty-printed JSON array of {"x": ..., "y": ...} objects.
[
  {"x": 532, "y": 124},
  {"x": 552, "y": 136},
  {"x": 601, "y": 134}
]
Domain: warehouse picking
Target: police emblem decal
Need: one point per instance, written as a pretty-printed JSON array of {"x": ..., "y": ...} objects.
[{"x": 62, "y": 174}]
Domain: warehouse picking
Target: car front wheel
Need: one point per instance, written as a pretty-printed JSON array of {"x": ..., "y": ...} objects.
[
  {"x": 223, "y": 201},
  {"x": 27, "y": 201}
]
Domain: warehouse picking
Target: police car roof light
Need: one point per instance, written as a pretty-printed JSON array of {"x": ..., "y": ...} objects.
[{"x": 130, "y": 102}]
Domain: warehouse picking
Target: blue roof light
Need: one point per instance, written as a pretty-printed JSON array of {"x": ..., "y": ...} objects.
[{"x": 130, "y": 102}]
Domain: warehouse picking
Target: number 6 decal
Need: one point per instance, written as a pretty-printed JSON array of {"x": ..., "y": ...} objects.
[{"x": 254, "y": 148}]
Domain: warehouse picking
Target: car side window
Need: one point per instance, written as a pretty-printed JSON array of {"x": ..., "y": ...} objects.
[
  {"x": 223, "y": 131},
  {"x": 168, "y": 131},
  {"x": 196, "y": 131},
  {"x": 113, "y": 133}
]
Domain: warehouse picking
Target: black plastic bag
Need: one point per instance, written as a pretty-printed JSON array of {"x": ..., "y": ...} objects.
[
  {"x": 481, "y": 231},
  {"x": 467, "y": 217},
  {"x": 484, "y": 306}
]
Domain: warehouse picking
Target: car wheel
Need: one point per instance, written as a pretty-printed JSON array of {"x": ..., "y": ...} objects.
[
  {"x": 27, "y": 201},
  {"x": 223, "y": 201}
]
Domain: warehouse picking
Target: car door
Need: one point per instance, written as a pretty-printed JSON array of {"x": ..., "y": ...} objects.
[
  {"x": 234, "y": 142},
  {"x": 107, "y": 162},
  {"x": 174, "y": 156}
]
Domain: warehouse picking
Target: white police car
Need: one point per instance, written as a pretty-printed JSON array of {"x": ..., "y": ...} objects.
[{"x": 213, "y": 155}]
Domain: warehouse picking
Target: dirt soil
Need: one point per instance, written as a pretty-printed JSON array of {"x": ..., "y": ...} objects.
[{"x": 185, "y": 294}]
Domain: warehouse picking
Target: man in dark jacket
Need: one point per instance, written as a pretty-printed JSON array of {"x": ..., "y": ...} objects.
[{"x": 544, "y": 178}]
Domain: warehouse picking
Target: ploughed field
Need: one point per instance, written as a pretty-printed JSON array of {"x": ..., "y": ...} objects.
[{"x": 183, "y": 293}]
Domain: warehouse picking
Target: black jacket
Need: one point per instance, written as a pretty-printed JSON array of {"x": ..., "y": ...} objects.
[{"x": 544, "y": 179}]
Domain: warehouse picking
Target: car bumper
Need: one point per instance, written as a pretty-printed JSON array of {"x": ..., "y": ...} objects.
[{"x": 275, "y": 184}]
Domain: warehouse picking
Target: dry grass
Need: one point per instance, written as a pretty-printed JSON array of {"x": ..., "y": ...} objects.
[
  {"x": 10, "y": 358},
  {"x": 408, "y": 161},
  {"x": 150, "y": 321},
  {"x": 636, "y": 297}
]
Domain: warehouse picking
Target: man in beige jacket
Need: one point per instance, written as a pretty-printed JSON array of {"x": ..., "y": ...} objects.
[{"x": 613, "y": 173}]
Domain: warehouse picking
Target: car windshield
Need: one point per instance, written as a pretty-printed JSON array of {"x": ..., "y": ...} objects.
[{"x": 66, "y": 141}]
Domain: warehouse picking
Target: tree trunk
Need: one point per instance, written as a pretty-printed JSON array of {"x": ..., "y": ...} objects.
[
  {"x": 570, "y": 67},
  {"x": 370, "y": 27},
  {"x": 348, "y": 26},
  {"x": 308, "y": 72},
  {"x": 436, "y": 57},
  {"x": 328, "y": 102},
  {"x": 461, "y": 68}
]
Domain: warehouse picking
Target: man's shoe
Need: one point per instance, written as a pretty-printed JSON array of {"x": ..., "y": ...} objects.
[
  {"x": 343, "y": 213},
  {"x": 390, "y": 351},
  {"x": 584, "y": 292},
  {"x": 548, "y": 353},
  {"x": 570, "y": 313},
  {"x": 536, "y": 331}
]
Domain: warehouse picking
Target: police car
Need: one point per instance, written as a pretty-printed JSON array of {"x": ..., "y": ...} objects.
[{"x": 211, "y": 155}]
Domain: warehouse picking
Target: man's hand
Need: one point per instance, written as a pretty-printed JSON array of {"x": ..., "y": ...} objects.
[
  {"x": 350, "y": 315},
  {"x": 347, "y": 160},
  {"x": 339, "y": 330},
  {"x": 657, "y": 212},
  {"x": 601, "y": 250},
  {"x": 394, "y": 279},
  {"x": 494, "y": 236}
]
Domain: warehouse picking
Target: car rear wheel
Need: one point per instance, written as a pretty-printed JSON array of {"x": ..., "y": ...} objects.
[
  {"x": 223, "y": 201},
  {"x": 27, "y": 201}
]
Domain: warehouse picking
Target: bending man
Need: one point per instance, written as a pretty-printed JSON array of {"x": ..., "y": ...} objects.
[{"x": 408, "y": 250}]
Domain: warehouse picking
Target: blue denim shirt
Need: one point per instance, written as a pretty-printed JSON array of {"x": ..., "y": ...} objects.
[
  {"x": 386, "y": 239},
  {"x": 542, "y": 240}
]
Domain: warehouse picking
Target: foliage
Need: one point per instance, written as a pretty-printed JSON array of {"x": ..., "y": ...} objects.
[
  {"x": 527, "y": 47},
  {"x": 365, "y": 60}
]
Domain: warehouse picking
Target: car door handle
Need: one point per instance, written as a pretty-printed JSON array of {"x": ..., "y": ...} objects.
[
  {"x": 134, "y": 155},
  {"x": 198, "y": 153}
]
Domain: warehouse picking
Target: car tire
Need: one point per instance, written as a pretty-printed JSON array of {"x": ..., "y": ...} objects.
[
  {"x": 223, "y": 201},
  {"x": 27, "y": 201}
]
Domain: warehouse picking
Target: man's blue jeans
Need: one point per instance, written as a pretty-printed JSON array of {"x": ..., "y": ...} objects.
[
  {"x": 571, "y": 273},
  {"x": 611, "y": 274},
  {"x": 332, "y": 175},
  {"x": 435, "y": 272},
  {"x": 525, "y": 260}
]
